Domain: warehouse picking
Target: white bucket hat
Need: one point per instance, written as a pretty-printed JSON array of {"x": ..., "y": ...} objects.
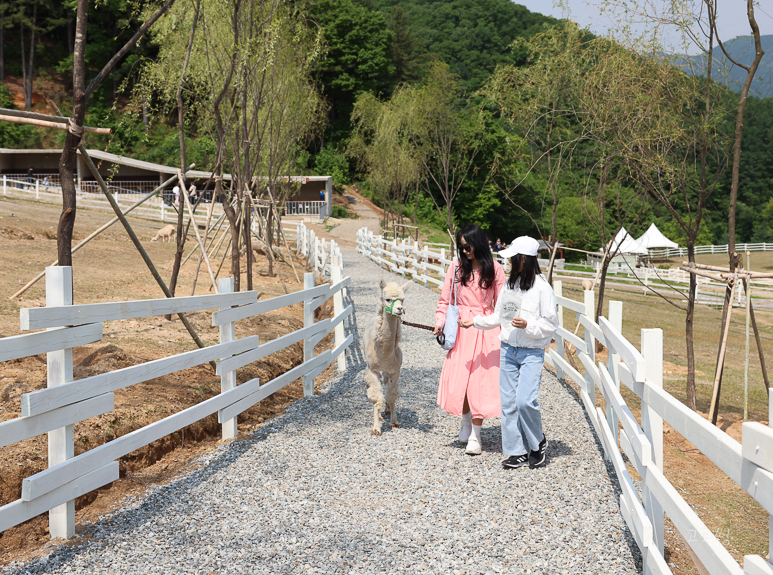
[{"x": 524, "y": 245}]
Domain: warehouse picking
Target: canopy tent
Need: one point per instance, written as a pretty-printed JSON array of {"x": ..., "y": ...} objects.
[
  {"x": 652, "y": 239},
  {"x": 625, "y": 244}
]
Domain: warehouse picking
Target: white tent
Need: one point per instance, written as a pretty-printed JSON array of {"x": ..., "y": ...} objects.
[
  {"x": 625, "y": 244},
  {"x": 652, "y": 239}
]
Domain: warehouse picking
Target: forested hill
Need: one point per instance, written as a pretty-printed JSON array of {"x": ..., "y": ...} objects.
[
  {"x": 472, "y": 36},
  {"x": 741, "y": 50}
]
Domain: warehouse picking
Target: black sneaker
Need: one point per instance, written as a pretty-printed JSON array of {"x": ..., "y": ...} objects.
[
  {"x": 537, "y": 458},
  {"x": 516, "y": 461}
]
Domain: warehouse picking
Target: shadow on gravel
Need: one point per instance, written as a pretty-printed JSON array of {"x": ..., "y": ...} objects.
[{"x": 611, "y": 473}]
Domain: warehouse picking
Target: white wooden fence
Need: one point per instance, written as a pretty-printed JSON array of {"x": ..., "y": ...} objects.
[
  {"x": 154, "y": 208},
  {"x": 749, "y": 464},
  {"x": 715, "y": 249},
  {"x": 64, "y": 402},
  {"x": 415, "y": 260}
]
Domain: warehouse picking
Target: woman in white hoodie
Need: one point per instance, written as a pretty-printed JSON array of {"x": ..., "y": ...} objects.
[{"x": 526, "y": 312}]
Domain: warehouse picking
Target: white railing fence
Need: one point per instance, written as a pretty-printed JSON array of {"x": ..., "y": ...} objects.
[
  {"x": 416, "y": 260},
  {"x": 749, "y": 464},
  {"x": 64, "y": 402},
  {"x": 90, "y": 196},
  {"x": 320, "y": 252},
  {"x": 715, "y": 249}
]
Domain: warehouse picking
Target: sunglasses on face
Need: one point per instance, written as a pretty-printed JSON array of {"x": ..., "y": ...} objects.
[{"x": 466, "y": 248}]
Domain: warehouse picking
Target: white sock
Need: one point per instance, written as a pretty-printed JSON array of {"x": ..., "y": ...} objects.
[
  {"x": 464, "y": 432},
  {"x": 476, "y": 432}
]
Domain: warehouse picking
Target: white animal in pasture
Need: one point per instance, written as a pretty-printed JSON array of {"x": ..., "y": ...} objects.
[
  {"x": 165, "y": 233},
  {"x": 383, "y": 356}
]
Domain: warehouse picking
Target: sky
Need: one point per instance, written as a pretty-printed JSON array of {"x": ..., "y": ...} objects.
[{"x": 731, "y": 16}]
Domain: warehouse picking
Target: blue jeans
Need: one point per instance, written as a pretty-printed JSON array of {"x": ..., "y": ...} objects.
[{"x": 520, "y": 373}]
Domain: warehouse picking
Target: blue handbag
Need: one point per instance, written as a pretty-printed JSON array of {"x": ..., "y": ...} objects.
[{"x": 447, "y": 339}]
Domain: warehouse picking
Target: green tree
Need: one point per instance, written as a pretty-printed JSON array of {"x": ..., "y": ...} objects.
[{"x": 359, "y": 57}]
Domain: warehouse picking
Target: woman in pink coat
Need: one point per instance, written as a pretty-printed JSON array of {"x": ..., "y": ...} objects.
[{"x": 469, "y": 382}]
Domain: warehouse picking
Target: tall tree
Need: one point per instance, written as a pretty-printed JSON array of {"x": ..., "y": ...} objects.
[{"x": 81, "y": 94}]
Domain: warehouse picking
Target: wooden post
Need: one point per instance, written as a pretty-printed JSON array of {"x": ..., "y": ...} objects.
[
  {"x": 195, "y": 226},
  {"x": 589, "y": 298},
  {"x": 336, "y": 275},
  {"x": 613, "y": 359},
  {"x": 61, "y": 446},
  {"x": 137, "y": 244},
  {"x": 425, "y": 259},
  {"x": 308, "y": 347},
  {"x": 442, "y": 264},
  {"x": 228, "y": 380},
  {"x": 558, "y": 289},
  {"x": 37, "y": 190},
  {"x": 652, "y": 425},
  {"x": 97, "y": 232},
  {"x": 714, "y": 407},
  {"x": 747, "y": 289}
]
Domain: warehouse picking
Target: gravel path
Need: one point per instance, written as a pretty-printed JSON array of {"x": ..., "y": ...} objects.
[{"x": 314, "y": 492}]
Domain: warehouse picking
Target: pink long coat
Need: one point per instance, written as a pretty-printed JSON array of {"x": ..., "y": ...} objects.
[{"x": 472, "y": 367}]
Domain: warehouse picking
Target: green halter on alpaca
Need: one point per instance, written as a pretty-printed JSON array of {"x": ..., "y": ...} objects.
[{"x": 389, "y": 308}]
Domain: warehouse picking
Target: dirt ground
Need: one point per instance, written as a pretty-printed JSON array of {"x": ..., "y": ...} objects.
[{"x": 110, "y": 269}]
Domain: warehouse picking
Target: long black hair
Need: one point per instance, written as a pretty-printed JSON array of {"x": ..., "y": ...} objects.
[
  {"x": 475, "y": 237},
  {"x": 527, "y": 275}
]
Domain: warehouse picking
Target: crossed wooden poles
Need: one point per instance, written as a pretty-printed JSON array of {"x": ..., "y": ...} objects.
[{"x": 731, "y": 279}]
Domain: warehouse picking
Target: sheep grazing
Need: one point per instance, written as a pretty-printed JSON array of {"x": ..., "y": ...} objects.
[
  {"x": 165, "y": 233},
  {"x": 383, "y": 356}
]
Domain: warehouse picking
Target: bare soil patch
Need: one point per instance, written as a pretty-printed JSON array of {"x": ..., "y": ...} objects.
[{"x": 109, "y": 269}]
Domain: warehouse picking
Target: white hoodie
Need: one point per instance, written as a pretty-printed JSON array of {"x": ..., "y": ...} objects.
[{"x": 537, "y": 306}]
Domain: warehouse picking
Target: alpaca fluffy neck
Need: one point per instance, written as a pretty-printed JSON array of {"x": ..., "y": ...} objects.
[{"x": 387, "y": 334}]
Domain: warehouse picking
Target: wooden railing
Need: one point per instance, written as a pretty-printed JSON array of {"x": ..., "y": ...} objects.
[
  {"x": 65, "y": 401},
  {"x": 749, "y": 464}
]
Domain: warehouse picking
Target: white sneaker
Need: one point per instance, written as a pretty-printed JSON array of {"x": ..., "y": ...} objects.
[
  {"x": 473, "y": 446},
  {"x": 473, "y": 443},
  {"x": 466, "y": 430}
]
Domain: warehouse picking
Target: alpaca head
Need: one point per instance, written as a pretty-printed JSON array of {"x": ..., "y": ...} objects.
[{"x": 392, "y": 296}]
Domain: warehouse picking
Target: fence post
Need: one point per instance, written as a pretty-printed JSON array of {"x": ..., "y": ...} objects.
[
  {"x": 227, "y": 380},
  {"x": 589, "y": 298},
  {"x": 558, "y": 289},
  {"x": 308, "y": 348},
  {"x": 652, "y": 425},
  {"x": 5, "y": 186},
  {"x": 336, "y": 276},
  {"x": 37, "y": 190},
  {"x": 61, "y": 447},
  {"x": 425, "y": 259},
  {"x": 613, "y": 359},
  {"x": 442, "y": 264}
]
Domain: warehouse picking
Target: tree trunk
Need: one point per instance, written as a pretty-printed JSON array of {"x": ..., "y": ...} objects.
[
  {"x": 30, "y": 73},
  {"x": 248, "y": 239},
  {"x": 692, "y": 401},
  {"x": 2, "y": 46},
  {"x": 181, "y": 237},
  {"x": 602, "y": 284},
  {"x": 69, "y": 156},
  {"x": 23, "y": 62},
  {"x": 270, "y": 241},
  {"x": 236, "y": 271}
]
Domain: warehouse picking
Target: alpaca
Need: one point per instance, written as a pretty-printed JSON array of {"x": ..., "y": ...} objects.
[
  {"x": 381, "y": 342},
  {"x": 165, "y": 233},
  {"x": 258, "y": 246}
]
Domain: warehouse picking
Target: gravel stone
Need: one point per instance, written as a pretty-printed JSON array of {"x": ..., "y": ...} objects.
[{"x": 313, "y": 492}]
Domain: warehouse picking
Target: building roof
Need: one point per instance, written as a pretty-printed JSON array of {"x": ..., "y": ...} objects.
[{"x": 150, "y": 166}]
